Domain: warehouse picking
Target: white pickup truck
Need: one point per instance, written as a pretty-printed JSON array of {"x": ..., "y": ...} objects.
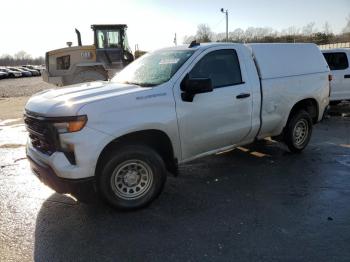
[
  {"x": 338, "y": 61},
  {"x": 121, "y": 138}
]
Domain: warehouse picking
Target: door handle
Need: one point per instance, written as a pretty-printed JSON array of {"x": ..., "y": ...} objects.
[
  {"x": 243, "y": 95},
  {"x": 346, "y": 76}
]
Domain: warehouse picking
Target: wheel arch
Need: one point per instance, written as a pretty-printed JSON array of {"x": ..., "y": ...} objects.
[
  {"x": 310, "y": 105},
  {"x": 154, "y": 138}
]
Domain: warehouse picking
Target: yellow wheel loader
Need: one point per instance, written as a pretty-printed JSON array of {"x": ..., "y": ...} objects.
[{"x": 100, "y": 61}]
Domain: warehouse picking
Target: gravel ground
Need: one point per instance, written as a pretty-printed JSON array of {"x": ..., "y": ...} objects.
[
  {"x": 14, "y": 94},
  {"x": 22, "y": 86}
]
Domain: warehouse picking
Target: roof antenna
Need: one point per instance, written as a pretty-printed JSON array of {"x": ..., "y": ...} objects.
[{"x": 193, "y": 44}]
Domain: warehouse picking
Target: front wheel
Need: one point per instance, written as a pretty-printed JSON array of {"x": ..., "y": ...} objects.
[
  {"x": 298, "y": 131},
  {"x": 132, "y": 177}
]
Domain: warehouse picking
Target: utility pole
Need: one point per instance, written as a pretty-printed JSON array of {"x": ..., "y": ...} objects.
[
  {"x": 226, "y": 13},
  {"x": 175, "y": 40}
]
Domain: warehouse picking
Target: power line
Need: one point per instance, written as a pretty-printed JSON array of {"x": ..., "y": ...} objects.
[{"x": 215, "y": 26}]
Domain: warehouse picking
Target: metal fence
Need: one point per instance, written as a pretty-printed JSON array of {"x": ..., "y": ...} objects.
[{"x": 335, "y": 45}]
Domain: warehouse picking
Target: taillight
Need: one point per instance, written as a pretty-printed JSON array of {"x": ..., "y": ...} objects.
[{"x": 330, "y": 78}]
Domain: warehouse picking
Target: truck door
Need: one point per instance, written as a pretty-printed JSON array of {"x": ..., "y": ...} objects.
[
  {"x": 219, "y": 118},
  {"x": 339, "y": 64}
]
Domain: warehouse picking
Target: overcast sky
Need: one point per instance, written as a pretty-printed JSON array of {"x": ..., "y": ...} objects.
[{"x": 42, "y": 25}]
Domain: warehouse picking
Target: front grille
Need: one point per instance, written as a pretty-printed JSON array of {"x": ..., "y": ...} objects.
[{"x": 42, "y": 134}]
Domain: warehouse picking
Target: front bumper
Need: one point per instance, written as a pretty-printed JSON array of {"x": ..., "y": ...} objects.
[{"x": 82, "y": 189}]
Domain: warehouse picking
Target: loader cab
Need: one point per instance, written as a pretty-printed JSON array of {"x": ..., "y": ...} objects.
[{"x": 112, "y": 48}]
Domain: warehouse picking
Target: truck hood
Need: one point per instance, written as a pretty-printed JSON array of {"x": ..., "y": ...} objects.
[{"x": 67, "y": 101}]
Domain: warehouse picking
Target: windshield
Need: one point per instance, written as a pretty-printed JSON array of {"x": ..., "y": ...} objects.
[
  {"x": 154, "y": 68},
  {"x": 108, "y": 38}
]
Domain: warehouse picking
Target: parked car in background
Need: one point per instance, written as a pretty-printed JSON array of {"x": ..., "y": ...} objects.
[
  {"x": 171, "y": 106},
  {"x": 24, "y": 72},
  {"x": 3, "y": 74},
  {"x": 33, "y": 71},
  {"x": 36, "y": 68},
  {"x": 11, "y": 73},
  {"x": 338, "y": 61}
]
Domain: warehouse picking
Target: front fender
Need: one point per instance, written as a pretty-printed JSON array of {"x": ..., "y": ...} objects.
[{"x": 122, "y": 115}]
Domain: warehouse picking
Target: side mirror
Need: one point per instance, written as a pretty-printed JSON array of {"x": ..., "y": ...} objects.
[{"x": 193, "y": 86}]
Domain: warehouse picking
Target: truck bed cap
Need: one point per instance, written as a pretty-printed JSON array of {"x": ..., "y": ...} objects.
[{"x": 282, "y": 60}]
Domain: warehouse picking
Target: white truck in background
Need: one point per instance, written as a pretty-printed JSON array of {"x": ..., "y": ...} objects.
[
  {"x": 121, "y": 138},
  {"x": 338, "y": 61}
]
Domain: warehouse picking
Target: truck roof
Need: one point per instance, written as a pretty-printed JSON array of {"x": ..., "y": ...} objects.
[
  {"x": 200, "y": 46},
  {"x": 277, "y": 59},
  {"x": 108, "y": 26}
]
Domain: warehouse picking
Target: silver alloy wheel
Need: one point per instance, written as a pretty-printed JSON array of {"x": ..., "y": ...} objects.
[
  {"x": 132, "y": 179},
  {"x": 300, "y": 132}
]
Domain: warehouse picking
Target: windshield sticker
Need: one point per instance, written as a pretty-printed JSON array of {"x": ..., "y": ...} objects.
[{"x": 167, "y": 61}]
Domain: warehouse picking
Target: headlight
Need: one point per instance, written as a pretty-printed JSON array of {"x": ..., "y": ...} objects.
[{"x": 70, "y": 124}]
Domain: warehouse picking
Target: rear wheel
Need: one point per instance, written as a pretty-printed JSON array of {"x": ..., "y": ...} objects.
[
  {"x": 298, "y": 131},
  {"x": 132, "y": 177}
]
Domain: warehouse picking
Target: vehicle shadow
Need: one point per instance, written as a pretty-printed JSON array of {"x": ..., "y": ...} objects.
[
  {"x": 341, "y": 109},
  {"x": 222, "y": 206}
]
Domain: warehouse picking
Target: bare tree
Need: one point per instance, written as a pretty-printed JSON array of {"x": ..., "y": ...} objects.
[
  {"x": 292, "y": 30},
  {"x": 204, "y": 33},
  {"x": 22, "y": 55},
  {"x": 221, "y": 37},
  {"x": 249, "y": 34},
  {"x": 346, "y": 29},
  {"x": 327, "y": 28},
  {"x": 188, "y": 39},
  {"x": 237, "y": 35},
  {"x": 21, "y": 58},
  {"x": 308, "y": 33},
  {"x": 309, "y": 29}
]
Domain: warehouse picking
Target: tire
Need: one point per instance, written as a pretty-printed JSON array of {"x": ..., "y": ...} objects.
[
  {"x": 132, "y": 177},
  {"x": 298, "y": 131}
]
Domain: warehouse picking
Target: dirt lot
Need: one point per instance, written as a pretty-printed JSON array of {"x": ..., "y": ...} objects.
[
  {"x": 22, "y": 87},
  {"x": 14, "y": 93}
]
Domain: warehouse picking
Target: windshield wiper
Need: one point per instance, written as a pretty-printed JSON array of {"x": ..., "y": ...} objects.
[{"x": 147, "y": 84}]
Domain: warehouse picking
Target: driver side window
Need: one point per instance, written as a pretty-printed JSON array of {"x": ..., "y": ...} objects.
[{"x": 221, "y": 66}]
